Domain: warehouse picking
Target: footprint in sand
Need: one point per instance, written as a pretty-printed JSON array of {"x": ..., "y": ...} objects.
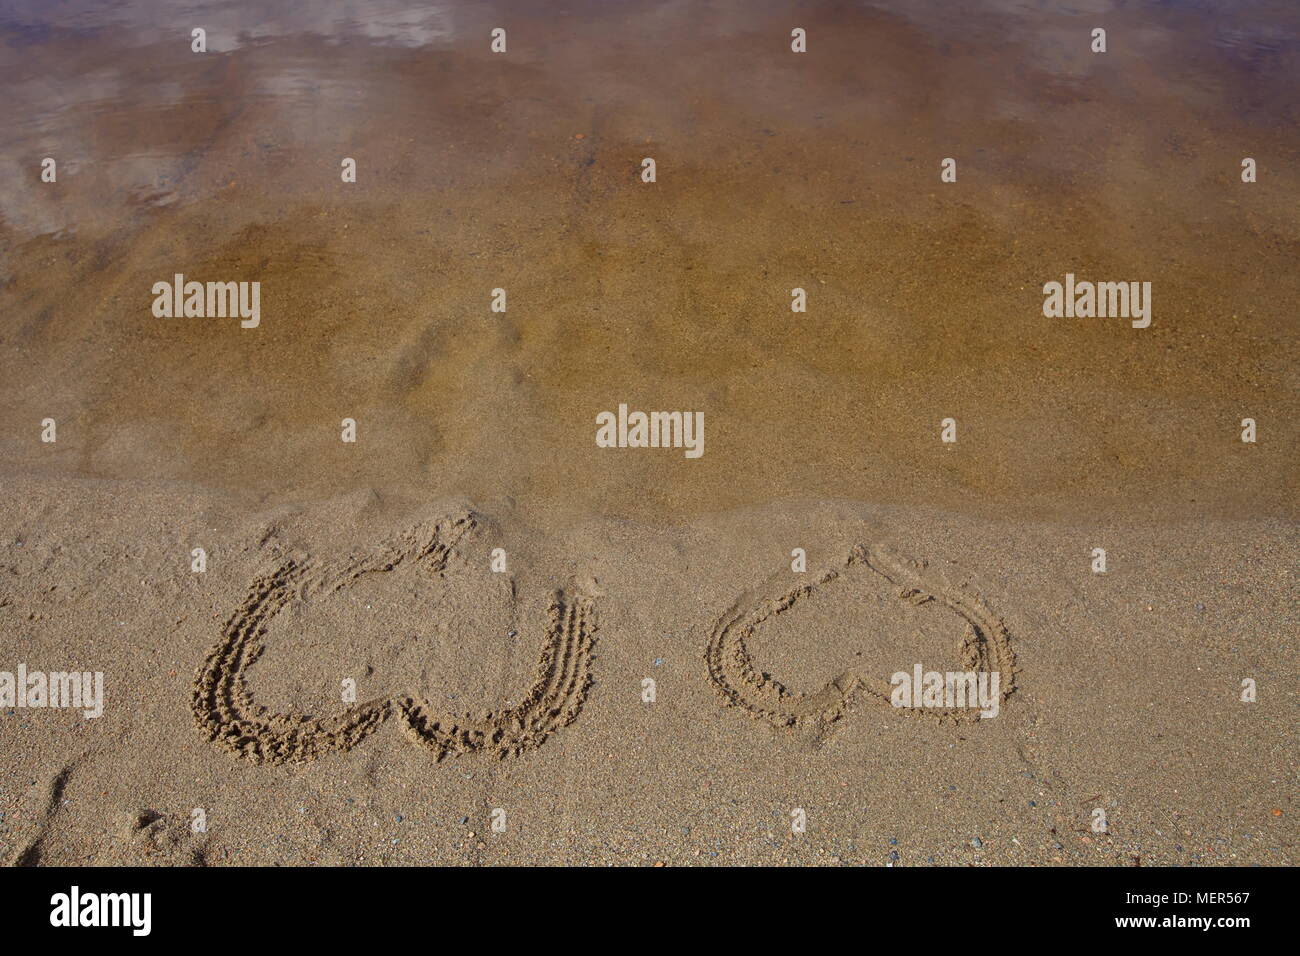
[
  {"x": 226, "y": 713},
  {"x": 985, "y": 646}
]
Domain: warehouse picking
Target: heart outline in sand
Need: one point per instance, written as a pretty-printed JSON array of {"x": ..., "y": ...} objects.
[
  {"x": 226, "y": 713},
  {"x": 985, "y": 647}
]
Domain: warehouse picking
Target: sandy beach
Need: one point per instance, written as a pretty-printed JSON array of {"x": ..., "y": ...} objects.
[{"x": 462, "y": 631}]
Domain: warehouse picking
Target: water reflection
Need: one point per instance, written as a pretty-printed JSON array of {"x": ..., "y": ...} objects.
[{"x": 478, "y": 171}]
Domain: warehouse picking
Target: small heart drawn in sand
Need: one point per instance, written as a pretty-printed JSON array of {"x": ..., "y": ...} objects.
[{"x": 985, "y": 648}]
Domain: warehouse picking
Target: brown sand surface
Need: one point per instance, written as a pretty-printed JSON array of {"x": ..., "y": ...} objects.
[
  {"x": 1126, "y": 697},
  {"x": 775, "y": 171}
]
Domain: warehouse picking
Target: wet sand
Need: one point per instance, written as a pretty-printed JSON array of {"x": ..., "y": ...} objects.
[{"x": 774, "y": 171}]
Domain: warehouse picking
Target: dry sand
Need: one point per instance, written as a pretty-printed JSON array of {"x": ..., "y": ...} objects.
[{"x": 776, "y": 170}]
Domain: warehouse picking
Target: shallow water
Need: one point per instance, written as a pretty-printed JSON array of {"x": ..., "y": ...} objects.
[{"x": 775, "y": 170}]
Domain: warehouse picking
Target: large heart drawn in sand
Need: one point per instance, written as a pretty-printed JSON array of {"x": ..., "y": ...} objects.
[
  {"x": 985, "y": 647},
  {"x": 227, "y": 714}
]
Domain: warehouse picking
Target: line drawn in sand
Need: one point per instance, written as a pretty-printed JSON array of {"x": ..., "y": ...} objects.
[
  {"x": 227, "y": 714},
  {"x": 986, "y": 647}
]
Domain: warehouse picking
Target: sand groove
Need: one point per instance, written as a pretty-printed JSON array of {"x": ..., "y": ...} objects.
[
  {"x": 30, "y": 854},
  {"x": 227, "y": 714},
  {"x": 986, "y": 647}
]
